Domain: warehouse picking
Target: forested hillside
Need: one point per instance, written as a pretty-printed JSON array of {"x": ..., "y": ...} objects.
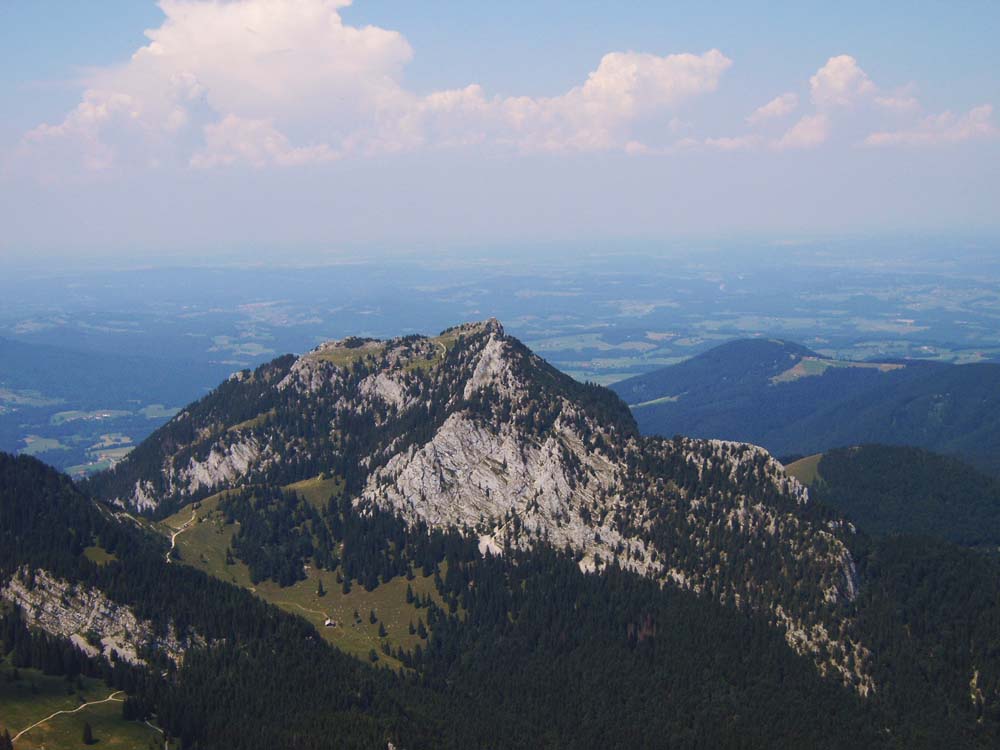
[
  {"x": 903, "y": 490},
  {"x": 527, "y": 650}
]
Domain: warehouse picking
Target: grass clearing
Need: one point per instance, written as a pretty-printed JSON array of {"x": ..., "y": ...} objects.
[
  {"x": 317, "y": 491},
  {"x": 158, "y": 411},
  {"x": 35, "y": 444},
  {"x": 71, "y": 416},
  {"x": 110, "y": 731},
  {"x": 249, "y": 424},
  {"x": 111, "y": 440},
  {"x": 442, "y": 345},
  {"x": 809, "y": 367},
  {"x": 98, "y": 555},
  {"x": 806, "y": 470},
  {"x": 342, "y": 356},
  {"x": 34, "y": 696},
  {"x": 203, "y": 545},
  {"x": 112, "y": 454},
  {"x": 27, "y": 398}
]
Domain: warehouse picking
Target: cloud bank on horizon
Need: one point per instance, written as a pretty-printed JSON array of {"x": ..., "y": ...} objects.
[{"x": 273, "y": 83}]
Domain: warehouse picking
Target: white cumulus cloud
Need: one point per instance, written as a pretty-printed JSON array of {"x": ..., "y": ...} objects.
[
  {"x": 254, "y": 142},
  {"x": 809, "y": 132},
  {"x": 840, "y": 83},
  {"x": 734, "y": 143},
  {"x": 779, "y": 106},
  {"x": 287, "y": 82},
  {"x": 946, "y": 127}
]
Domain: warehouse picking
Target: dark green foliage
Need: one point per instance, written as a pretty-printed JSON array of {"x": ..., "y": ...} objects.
[
  {"x": 57, "y": 656},
  {"x": 898, "y": 490},
  {"x": 727, "y": 393},
  {"x": 930, "y": 613},
  {"x": 37, "y": 524},
  {"x": 275, "y": 536},
  {"x": 88, "y": 734},
  {"x": 551, "y": 657}
]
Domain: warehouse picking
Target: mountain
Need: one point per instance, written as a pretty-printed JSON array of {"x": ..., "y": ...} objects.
[
  {"x": 470, "y": 430},
  {"x": 793, "y": 401},
  {"x": 542, "y": 655},
  {"x": 521, "y": 566},
  {"x": 904, "y": 490}
]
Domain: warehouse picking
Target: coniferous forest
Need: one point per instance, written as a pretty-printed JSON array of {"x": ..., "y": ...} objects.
[{"x": 523, "y": 650}]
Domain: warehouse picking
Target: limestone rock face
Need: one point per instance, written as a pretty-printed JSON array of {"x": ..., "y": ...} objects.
[
  {"x": 223, "y": 465},
  {"x": 469, "y": 476},
  {"x": 94, "y": 623}
]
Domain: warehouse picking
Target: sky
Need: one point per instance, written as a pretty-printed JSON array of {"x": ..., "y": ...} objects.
[{"x": 133, "y": 129}]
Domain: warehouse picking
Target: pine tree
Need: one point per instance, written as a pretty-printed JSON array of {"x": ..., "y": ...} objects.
[
  {"x": 320, "y": 591},
  {"x": 382, "y": 633},
  {"x": 6, "y": 743},
  {"x": 88, "y": 734}
]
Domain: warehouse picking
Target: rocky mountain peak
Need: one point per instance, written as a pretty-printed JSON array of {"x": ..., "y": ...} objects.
[{"x": 471, "y": 430}]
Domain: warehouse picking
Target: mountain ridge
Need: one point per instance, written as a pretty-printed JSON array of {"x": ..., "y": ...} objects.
[{"x": 470, "y": 430}]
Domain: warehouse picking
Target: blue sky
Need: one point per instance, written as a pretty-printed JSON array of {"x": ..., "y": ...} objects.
[{"x": 313, "y": 125}]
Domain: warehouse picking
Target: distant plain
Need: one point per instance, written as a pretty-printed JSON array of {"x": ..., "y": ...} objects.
[{"x": 118, "y": 352}]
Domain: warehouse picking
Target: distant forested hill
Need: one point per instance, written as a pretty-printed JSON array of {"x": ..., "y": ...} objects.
[{"x": 793, "y": 401}]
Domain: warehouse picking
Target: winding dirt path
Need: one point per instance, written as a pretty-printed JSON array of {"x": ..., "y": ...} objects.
[
  {"x": 166, "y": 745},
  {"x": 111, "y": 697},
  {"x": 304, "y": 609},
  {"x": 184, "y": 526}
]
